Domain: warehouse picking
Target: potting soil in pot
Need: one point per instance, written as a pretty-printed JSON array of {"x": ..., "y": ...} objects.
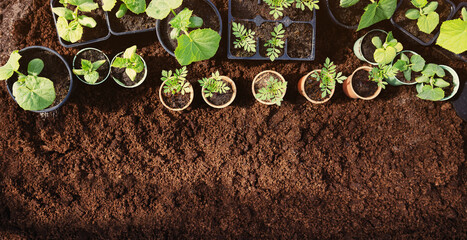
[{"x": 362, "y": 85}]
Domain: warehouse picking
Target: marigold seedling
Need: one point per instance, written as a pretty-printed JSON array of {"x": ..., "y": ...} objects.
[
  {"x": 135, "y": 6},
  {"x": 89, "y": 70},
  {"x": 453, "y": 34},
  {"x": 427, "y": 18},
  {"x": 276, "y": 43},
  {"x": 245, "y": 38},
  {"x": 376, "y": 11},
  {"x": 214, "y": 84},
  {"x": 431, "y": 83},
  {"x": 328, "y": 78},
  {"x": 176, "y": 83},
  {"x": 387, "y": 51},
  {"x": 273, "y": 91},
  {"x": 278, "y": 6},
  {"x": 131, "y": 62},
  {"x": 407, "y": 65}
]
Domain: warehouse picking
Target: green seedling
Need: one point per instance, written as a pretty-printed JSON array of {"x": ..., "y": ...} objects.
[
  {"x": 375, "y": 12},
  {"x": 328, "y": 78},
  {"x": 276, "y": 43},
  {"x": 427, "y": 18},
  {"x": 245, "y": 38},
  {"x": 89, "y": 70},
  {"x": 214, "y": 84},
  {"x": 197, "y": 45},
  {"x": 135, "y": 6},
  {"x": 380, "y": 73},
  {"x": 431, "y": 83},
  {"x": 131, "y": 61},
  {"x": 273, "y": 91},
  {"x": 407, "y": 65},
  {"x": 176, "y": 83},
  {"x": 31, "y": 92},
  {"x": 453, "y": 34},
  {"x": 73, "y": 31},
  {"x": 387, "y": 51},
  {"x": 277, "y": 6}
]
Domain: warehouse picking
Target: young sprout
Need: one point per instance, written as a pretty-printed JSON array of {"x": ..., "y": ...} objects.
[
  {"x": 276, "y": 43},
  {"x": 245, "y": 38},
  {"x": 380, "y": 73},
  {"x": 89, "y": 70},
  {"x": 328, "y": 78},
  {"x": 407, "y": 65},
  {"x": 453, "y": 34},
  {"x": 214, "y": 84},
  {"x": 431, "y": 83},
  {"x": 387, "y": 51},
  {"x": 131, "y": 61},
  {"x": 427, "y": 18},
  {"x": 135, "y": 6},
  {"x": 176, "y": 83},
  {"x": 273, "y": 91},
  {"x": 277, "y": 6},
  {"x": 73, "y": 31}
]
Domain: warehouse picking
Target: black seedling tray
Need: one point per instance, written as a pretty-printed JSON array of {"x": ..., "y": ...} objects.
[
  {"x": 286, "y": 22},
  {"x": 80, "y": 44},
  {"x": 418, "y": 40}
]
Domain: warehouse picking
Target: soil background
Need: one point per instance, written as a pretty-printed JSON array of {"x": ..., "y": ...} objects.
[{"x": 113, "y": 163}]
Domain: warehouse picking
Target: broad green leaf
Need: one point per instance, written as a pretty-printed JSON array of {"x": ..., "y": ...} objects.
[
  {"x": 385, "y": 56},
  {"x": 63, "y": 12},
  {"x": 87, "y": 21},
  {"x": 160, "y": 9},
  {"x": 35, "y": 67},
  {"x": 182, "y": 20},
  {"x": 96, "y": 65},
  {"x": 108, "y": 5},
  {"x": 76, "y": 31},
  {"x": 86, "y": 65},
  {"x": 376, "y": 12},
  {"x": 377, "y": 42},
  {"x": 418, "y": 63},
  {"x": 196, "y": 22},
  {"x": 430, "y": 93},
  {"x": 130, "y": 52},
  {"x": 92, "y": 77},
  {"x": 419, "y": 3},
  {"x": 131, "y": 73},
  {"x": 348, "y": 3},
  {"x": 430, "y": 69},
  {"x": 136, "y": 6},
  {"x": 62, "y": 28},
  {"x": 401, "y": 65},
  {"x": 441, "y": 83},
  {"x": 200, "y": 45},
  {"x": 431, "y": 7},
  {"x": 120, "y": 63},
  {"x": 122, "y": 10},
  {"x": 412, "y": 14},
  {"x": 36, "y": 93},
  {"x": 79, "y": 72},
  {"x": 453, "y": 36},
  {"x": 428, "y": 23},
  {"x": 11, "y": 66}
]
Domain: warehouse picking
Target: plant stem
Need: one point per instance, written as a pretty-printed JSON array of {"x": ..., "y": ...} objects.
[{"x": 173, "y": 12}]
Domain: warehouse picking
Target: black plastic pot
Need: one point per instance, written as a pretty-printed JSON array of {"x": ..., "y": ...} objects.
[
  {"x": 81, "y": 44},
  {"x": 159, "y": 34},
  {"x": 460, "y": 104},
  {"x": 418, "y": 40},
  {"x": 9, "y": 84},
  {"x": 258, "y": 21},
  {"x": 118, "y": 33},
  {"x": 334, "y": 19}
]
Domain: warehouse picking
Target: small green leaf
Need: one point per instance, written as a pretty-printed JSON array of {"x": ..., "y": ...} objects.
[
  {"x": 408, "y": 74},
  {"x": 428, "y": 23},
  {"x": 419, "y": 3},
  {"x": 131, "y": 73},
  {"x": 79, "y": 72},
  {"x": 130, "y": 52},
  {"x": 160, "y": 9},
  {"x": 441, "y": 83},
  {"x": 430, "y": 93},
  {"x": 86, "y": 65},
  {"x": 63, "y": 12},
  {"x": 464, "y": 14},
  {"x": 108, "y": 5},
  {"x": 430, "y": 70},
  {"x": 196, "y": 22},
  {"x": 404, "y": 57},
  {"x": 431, "y": 7},
  {"x": 88, "y": 6},
  {"x": 136, "y": 6},
  {"x": 453, "y": 36},
  {"x": 87, "y": 21},
  {"x": 412, "y": 14},
  {"x": 418, "y": 63},
  {"x": 96, "y": 65},
  {"x": 35, "y": 93},
  {"x": 121, "y": 11},
  {"x": 422, "y": 79},
  {"x": 440, "y": 71},
  {"x": 200, "y": 45},
  {"x": 11, "y": 66},
  {"x": 348, "y": 3},
  {"x": 377, "y": 42},
  {"x": 35, "y": 67},
  {"x": 91, "y": 77},
  {"x": 383, "y": 57},
  {"x": 120, "y": 63},
  {"x": 182, "y": 20}
]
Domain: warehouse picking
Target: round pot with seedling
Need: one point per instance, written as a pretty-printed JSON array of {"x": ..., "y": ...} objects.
[
  {"x": 435, "y": 85},
  {"x": 453, "y": 35},
  {"x": 91, "y": 66},
  {"x": 128, "y": 69},
  {"x": 38, "y": 79},
  {"x": 409, "y": 65},
  {"x": 371, "y": 48},
  {"x": 127, "y": 16},
  {"x": 176, "y": 93},
  {"x": 269, "y": 88},
  {"x": 218, "y": 91},
  {"x": 319, "y": 85},
  {"x": 183, "y": 36},
  {"x": 367, "y": 82}
]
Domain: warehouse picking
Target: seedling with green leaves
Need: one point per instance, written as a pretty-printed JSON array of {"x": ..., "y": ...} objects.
[
  {"x": 197, "y": 45},
  {"x": 89, "y": 70},
  {"x": 73, "y": 31},
  {"x": 407, "y": 65},
  {"x": 376, "y": 11},
  {"x": 245, "y": 38},
  {"x": 387, "y": 51},
  {"x": 31, "y": 92},
  {"x": 328, "y": 78},
  {"x": 131, "y": 62},
  {"x": 273, "y": 92},
  {"x": 424, "y": 13},
  {"x": 278, "y": 6},
  {"x": 276, "y": 43},
  {"x": 380, "y": 73},
  {"x": 453, "y": 34},
  {"x": 431, "y": 83},
  {"x": 214, "y": 84},
  {"x": 176, "y": 83},
  {"x": 135, "y": 6}
]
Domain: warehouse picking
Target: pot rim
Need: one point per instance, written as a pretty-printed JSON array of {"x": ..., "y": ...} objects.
[
  {"x": 234, "y": 94},
  {"x": 161, "y": 97},
  {"x": 106, "y": 58},
  {"x": 122, "y": 84}
]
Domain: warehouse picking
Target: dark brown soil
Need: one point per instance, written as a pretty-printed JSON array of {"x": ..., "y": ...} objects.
[
  {"x": 299, "y": 40},
  {"x": 368, "y": 49},
  {"x": 131, "y": 21},
  {"x": 444, "y": 9},
  {"x": 176, "y": 101},
  {"x": 348, "y": 16},
  {"x": 312, "y": 89},
  {"x": 93, "y": 56},
  {"x": 240, "y": 52},
  {"x": 264, "y": 35},
  {"x": 221, "y": 99},
  {"x": 400, "y": 75},
  {"x": 249, "y": 9},
  {"x": 362, "y": 85},
  {"x": 114, "y": 164},
  {"x": 119, "y": 73}
]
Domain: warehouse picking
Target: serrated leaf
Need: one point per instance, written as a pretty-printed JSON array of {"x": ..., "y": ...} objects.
[
  {"x": 430, "y": 93},
  {"x": 35, "y": 67},
  {"x": 453, "y": 36},
  {"x": 11, "y": 66},
  {"x": 182, "y": 20},
  {"x": 412, "y": 14},
  {"x": 348, "y": 3},
  {"x": 160, "y": 9},
  {"x": 87, "y": 21},
  {"x": 200, "y": 45},
  {"x": 35, "y": 93}
]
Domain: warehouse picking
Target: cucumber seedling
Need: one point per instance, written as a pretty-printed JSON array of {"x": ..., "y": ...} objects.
[
  {"x": 407, "y": 65},
  {"x": 276, "y": 43},
  {"x": 131, "y": 62},
  {"x": 214, "y": 84},
  {"x": 424, "y": 13},
  {"x": 328, "y": 76},
  {"x": 431, "y": 83},
  {"x": 135, "y": 6},
  {"x": 453, "y": 34},
  {"x": 245, "y": 38},
  {"x": 89, "y": 70},
  {"x": 387, "y": 51},
  {"x": 273, "y": 91}
]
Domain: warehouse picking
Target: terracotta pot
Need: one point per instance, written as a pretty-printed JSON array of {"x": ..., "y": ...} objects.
[
  {"x": 350, "y": 92},
  {"x": 192, "y": 95},
  {"x": 301, "y": 89},
  {"x": 256, "y": 78},
  {"x": 234, "y": 94}
]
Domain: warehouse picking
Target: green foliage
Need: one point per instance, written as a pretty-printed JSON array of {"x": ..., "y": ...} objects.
[
  {"x": 273, "y": 91},
  {"x": 380, "y": 73},
  {"x": 245, "y": 38},
  {"x": 131, "y": 61},
  {"x": 31, "y": 92},
  {"x": 424, "y": 13},
  {"x": 89, "y": 70},
  {"x": 276, "y": 43},
  {"x": 310, "y": 4},
  {"x": 160, "y": 9},
  {"x": 214, "y": 84},
  {"x": 135, "y": 6},
  {"x": 73, "y": 31},
  {"x": 176, "y": 83},
  {"x": 387, "y": 51},
  {"x": 328, "y": 78},
  {"x": 453, "y": 36},
  {"x": 431, "y": 83},
  {"x": 407, "y": 65},
  {"x": 277, "y": 6},
  {"x": 376, "y": 11}
]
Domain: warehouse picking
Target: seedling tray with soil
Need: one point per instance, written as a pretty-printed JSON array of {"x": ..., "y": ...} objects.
[
  {"x": 299, "y": 26},
  {"x": 130, "y": 23}
]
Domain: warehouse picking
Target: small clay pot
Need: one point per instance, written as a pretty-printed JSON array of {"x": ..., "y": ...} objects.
[
  {"x": 233, "y": 87},
  {"x": 301, "y": 89},
  {"x": 257, "y": 77},
  {"x": 350, "y": 92},
  {"x": 162, "y": 97},
  {"x": 358, "y": 48}
]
